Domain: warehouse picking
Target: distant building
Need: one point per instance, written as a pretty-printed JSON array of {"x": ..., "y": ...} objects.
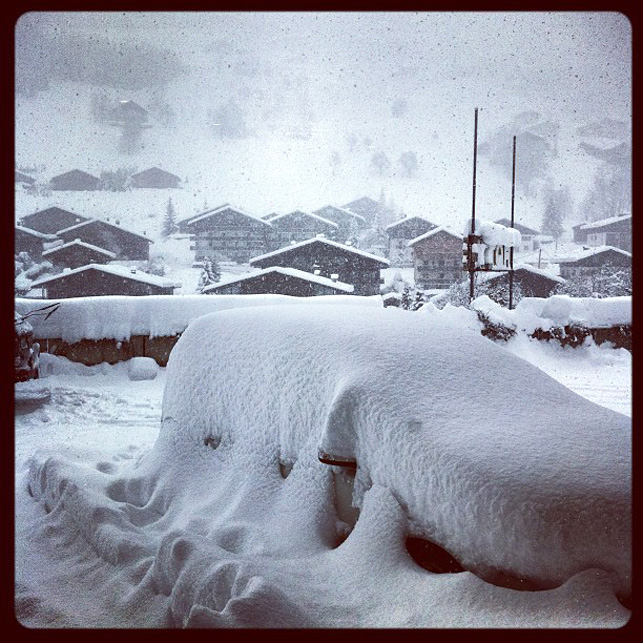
[
  {"x": 532, "y": 281},
  {"x": 372, "y": 212},
  {"x": 97, "y": 280},
  {"x": 615, "y": 231},
  {"x": 297, "y": 226},
  {"x": 31, "y": 241},
  {"x": 74, "y": 180},
  {"x": 127, "y": 112},
  {"x": 586, "y": 262},
  {"x": 348, "y": 223},
  {"x": 528, "y": 236},
  {"x": 154, "y": 177},
  {"x": 437, "y": 258},
  {"x": 326, "y": 258},
  {"x": 52, "y": 219},
  {"x": 77, "y": 253},
  {"x": 124, "y": 244},
  {"x": 228, "y": 233},
  {"x": 24, "y": 179},
  {"x": 281, "y": 281},
  {"x": 400, "y": 233}
]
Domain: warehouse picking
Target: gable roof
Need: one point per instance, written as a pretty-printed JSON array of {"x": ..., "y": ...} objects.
[
  {"x": 78, "y": 242},
  {"x": 291, "y": 272},
  {"x": 584, "y": 253},
  {"x": 362, "y": 201},
  {"x": 322, "y": 240},
  {"x": 21, "y": 177},
  {"x": 155, "y": 171},
  {"x": 276, "y": 217},
  {"x": 75, "y": 173},
  {"x": 521, "y": 267},
  {"x": 604, "y": 222},
  {"x": 341, "y": 210},
  {"x": 210, "y": 213},
  {"x": 90, "y": 222},
  {"x": 523, "y": 229},
  {"x": 435, "y": 231},
  {"x": 119, "y": 271},
  {"x": 406, "y": 220},
  {"x": 35, "y": 233}
]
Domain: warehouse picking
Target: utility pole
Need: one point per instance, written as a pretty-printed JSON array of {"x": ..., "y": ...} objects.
[
  {"x": 511, "y": 250},
  {"x": 473, "y": 209}
]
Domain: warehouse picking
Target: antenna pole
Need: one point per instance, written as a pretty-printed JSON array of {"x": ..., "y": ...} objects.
[
  {"x": 473, "y": 208},
  {"x": 511, "y": 250}
]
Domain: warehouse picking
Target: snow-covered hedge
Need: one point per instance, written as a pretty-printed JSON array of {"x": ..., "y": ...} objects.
[{"x": 120, "y": 317}]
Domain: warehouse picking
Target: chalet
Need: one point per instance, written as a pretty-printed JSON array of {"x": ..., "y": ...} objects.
[
  {"x": 124, "y": 244},
  {"x": 374, "y": 213},
  {"x": 586, "y": 261},
  {"x": 297, "y": 226},
  {"x": 183, "y": 223},
  {"x": 75, "y": 180},
  {"x": 24, "y": 179},
  {"x": 437, "y": 258},
  {"x": 127, "y": 112},
  {"x": 531, "y": 281},
  {"x": 51, "y": 220},
  {"x": 77, "y": 253},
  {"x": 528, "y": 236},
  {"x": 97, "y": 280},
  {"x": 31, "y": 241},
  {"x": 154, "y": 177},
  {"x": 615, "y": 231},
  {"x": 229, "y": 234},
  {"x": 348, "y": 223},
  {"x": 327, "y": 258},
  {"x": 281, "y": 281},
  {"x": 400, "y": 233}
]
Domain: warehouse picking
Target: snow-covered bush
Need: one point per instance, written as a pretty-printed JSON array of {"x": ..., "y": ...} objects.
[{"x": 142, "y": 368}]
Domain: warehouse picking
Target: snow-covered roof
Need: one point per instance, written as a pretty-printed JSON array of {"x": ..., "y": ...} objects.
[
  {"x": 604, "y": 222},
  {"x": 523, "y": 229},
  {"x": 430, "y": 233},
  {"x": 406, "y": 220},
  {"x": 90, "y": 222},
  {"x": 325, "y": 241},
  {"x": 291, "y": 272},
  {"x": 343, "y": 210},
  {"x": 155, "y": 170},
  {"x": 308, "y": 214},
  {"x": 119, "y": 271},
  {"x": 35, "y": 233},
  {"x": 584, "y": 252},
  {"x": 545, "y": 274},
  {"x": 78, "y": 242},
  {"x": 210, "y": 213}
]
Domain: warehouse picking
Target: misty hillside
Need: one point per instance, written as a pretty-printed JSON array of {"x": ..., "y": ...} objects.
[{"x": 271, "y": 129}]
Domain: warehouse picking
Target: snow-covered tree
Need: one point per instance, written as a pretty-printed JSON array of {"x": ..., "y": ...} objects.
[
  {"x": 335, "y": 161},
  {"x": 408, "y": 161},
  {"x": 407, "y": 299},
  {"x": 169, "y": 221},
  {"x": 381, "y": 162},
  {"x": 210, "y": 274},
  {"x": 610, "y": 194},
  {"x": 555, "y": 212},
  {"x": 608, "y": 281},
  {"x": 418, "y": 302}
]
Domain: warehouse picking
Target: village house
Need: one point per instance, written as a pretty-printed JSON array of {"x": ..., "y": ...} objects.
[
  {"x": 281, "y": 281},
  {"x": 154, "y": 177},
  {"x": 297, "y": 226},
  {"x": 31, "y": 241},
  {"x": 528, "y": 236},
  {"x": 532, "y": 282},
  {"x": 127, "y": 112},
  {"x": 228, "y": 234},
  {"x": 437, "y": 258},
  {"x": 51, "y": 219},
  {"x": 400, "y": 233},
  {"x": 329, "y": 259},
  {"x": 373, "y": 213},
  {"x": 124, "y": 244},
  {"x": 75, "y": 180},
  {"x": 615, "y": 231},
  {"x": 348, "y": 223},
  {"x": 97, "y": 280},
  {"x": 24, "y": 179},
  {"x": 586, "y": 262},
  {"x": 77, "y": 253}
]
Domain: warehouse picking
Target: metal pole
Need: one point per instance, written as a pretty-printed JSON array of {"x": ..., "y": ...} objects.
[
  {"x": 511, "y": 250},
  {"x": 473, "y": 207}
]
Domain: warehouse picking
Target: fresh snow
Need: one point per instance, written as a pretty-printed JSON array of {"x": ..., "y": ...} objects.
[{"x": 202, "y": 529}]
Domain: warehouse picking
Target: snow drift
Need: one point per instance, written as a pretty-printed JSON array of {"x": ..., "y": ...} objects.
[{"x": 231, "y": 520}]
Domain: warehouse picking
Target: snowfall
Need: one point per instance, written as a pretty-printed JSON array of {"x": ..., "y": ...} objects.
[{"x": 193, "y": 495}]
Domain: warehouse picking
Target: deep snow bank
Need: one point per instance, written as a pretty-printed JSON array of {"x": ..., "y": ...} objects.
[{"x": 120, "y": 317}]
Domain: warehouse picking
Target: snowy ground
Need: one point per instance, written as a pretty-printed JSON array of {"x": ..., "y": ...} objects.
[{"x": 102, "y": 420}]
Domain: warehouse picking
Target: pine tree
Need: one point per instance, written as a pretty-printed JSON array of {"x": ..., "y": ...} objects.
[
  {"x": 169, "y": 222},
  {"x": 406, "y": 302},
  {"x": 553, "y": 216},
  {"x": 209, "y": 275},
  {"x": 419, "y": 300}
]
